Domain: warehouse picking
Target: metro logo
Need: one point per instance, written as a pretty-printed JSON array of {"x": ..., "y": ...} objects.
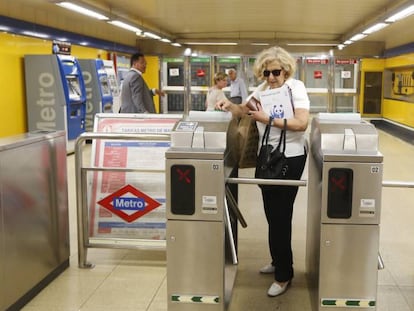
[
  {"x": 135, "y": 204},
  {"x": 121, "y": 202}
]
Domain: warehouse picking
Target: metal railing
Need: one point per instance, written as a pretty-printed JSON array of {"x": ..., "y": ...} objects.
[{"x": 81, "y": 171}]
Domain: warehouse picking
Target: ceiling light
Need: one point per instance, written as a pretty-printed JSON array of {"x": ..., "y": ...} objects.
[
  {"x": 347, "y": 42},
  {"x": 374, "y": 28},
  {"x": 211, "y": 43},
  {"x": 151, "y": 35},
  {"x": 400, "y": 15},
  {"x": 125, "y": 26},
  {"x": 259, "y": 43},
  {"x": 165, "y": 40},
  {"x": 82, "y": 10},
  {"x": 187, "y": 52},
  {"x": 357, "y": 37},
  {"x": 35, "y": 34},
  {"x": 312, "y": 44},
  {"x": 176, "y": 44},
  {"x": 4, "y": 28}
]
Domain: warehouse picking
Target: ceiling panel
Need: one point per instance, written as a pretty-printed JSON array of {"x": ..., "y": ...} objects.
[{"x": 278, "y": 22}]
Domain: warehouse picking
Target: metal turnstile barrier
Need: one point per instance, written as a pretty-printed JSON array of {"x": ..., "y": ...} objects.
[
  {"x": 344, "y": 206},
  {"x": 201, "y": 222},
  {"x": 342, "y": 254},
  {"x": 82, "y": 189}
]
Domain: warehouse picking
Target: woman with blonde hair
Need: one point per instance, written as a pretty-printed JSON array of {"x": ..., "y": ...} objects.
[
  {"x": 215, "y": 93},
  {"x": 276, "y": 67}
]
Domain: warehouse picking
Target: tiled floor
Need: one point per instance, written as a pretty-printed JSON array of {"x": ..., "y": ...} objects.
[{"x": 129, "y": 280}]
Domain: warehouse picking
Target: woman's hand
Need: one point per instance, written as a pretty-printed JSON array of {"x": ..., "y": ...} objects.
[
  {"x": 259, "y": 115},
  {"x": 224, "y": 105}
]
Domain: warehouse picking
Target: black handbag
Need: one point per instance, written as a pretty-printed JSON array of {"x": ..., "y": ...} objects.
[{"x": 272, "y": 164}]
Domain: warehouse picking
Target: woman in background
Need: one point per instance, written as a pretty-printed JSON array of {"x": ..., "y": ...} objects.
[{"x": 215, "y": 93}]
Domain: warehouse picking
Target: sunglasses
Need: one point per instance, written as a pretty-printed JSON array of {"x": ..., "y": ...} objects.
[{"x": 275, "y": 72}]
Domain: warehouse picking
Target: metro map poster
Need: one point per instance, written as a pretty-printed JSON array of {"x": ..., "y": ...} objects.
[{"x": 129, "y": 204}]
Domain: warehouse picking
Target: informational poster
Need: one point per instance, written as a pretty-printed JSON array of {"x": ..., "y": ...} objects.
[
  {"x": 277, "y": 102},
  {"x": 129, "y": 202}
]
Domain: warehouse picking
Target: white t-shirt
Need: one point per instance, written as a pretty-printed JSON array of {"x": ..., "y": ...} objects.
[
  {"x": 295, "y": 141},
  {"x": 213, "y": 96}
]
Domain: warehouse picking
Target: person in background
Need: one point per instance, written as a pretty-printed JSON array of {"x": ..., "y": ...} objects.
[
  {"x": 136, "y": 97},
  {"x": 238, "y": 89},
  {"x": 277, "y": 67},
  {"x": 215, "y": 93}
]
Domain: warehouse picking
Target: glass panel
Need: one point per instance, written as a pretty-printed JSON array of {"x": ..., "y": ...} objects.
[
  {"x": 176, "y": 102},
  {"x": 346, "y": 72},
  {"x": 345, "y": 103},
  {"x": 316, "y": 73},
  {"x": 318, "y": 102}
]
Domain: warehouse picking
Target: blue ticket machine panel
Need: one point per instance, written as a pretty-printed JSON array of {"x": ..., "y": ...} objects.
[
  {"x": 98, "y": 89},
  {"x": 55, "y": 95}
]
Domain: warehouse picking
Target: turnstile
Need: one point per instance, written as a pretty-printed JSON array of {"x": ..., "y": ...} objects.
[
  {"x": 344, "y": 205},
  {"x": 201, "y": 251}
]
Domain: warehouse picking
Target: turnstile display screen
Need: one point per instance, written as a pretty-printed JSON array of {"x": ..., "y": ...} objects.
[
  {"x": 182, "y": 189},
  {"x": 340, "y": 193}
]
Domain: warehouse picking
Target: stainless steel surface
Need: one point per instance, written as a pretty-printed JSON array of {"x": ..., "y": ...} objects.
[
  {"x": 348, "y": 263},
  {"x": 235, "y": 207},
  {"x": 256, "y": 181},
  {"x": 200, "y": 131},
  {"x": 200, "y": 236},
  {"x": 209, "y": 189},
  {"x": 33, "y": 212},
  {"x": 195, "y": 263},
  {"x": 342, "y": 248},
  {"x": 398, "y": 184},
  {"x": 366, "y": 192}
]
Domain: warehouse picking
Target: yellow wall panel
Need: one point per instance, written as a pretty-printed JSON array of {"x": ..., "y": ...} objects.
[
  {"x": 12, "y": 82},
  {"x": 151, "y": 77},
  {"x": 399, "y": 111},
  {"x": 400, "y": 61}
]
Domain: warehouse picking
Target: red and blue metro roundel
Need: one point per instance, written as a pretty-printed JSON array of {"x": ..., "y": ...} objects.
[{"x": 129, "y": 203}]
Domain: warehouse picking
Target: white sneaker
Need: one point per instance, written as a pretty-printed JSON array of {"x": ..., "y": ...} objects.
[
  {"x": 276, "y": 290},
  {"x": 267, "y": 269}
]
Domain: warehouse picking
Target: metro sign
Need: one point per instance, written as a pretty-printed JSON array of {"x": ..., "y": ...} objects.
[{"x": 129, "y": 199}]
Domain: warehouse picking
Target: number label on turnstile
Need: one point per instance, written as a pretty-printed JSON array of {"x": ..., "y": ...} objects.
[
  {"x": 340, "y": 193},
  {"x": 182, "y": 189}
]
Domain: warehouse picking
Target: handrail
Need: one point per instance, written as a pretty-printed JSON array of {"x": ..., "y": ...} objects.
[
  {"x": 302, "y": 182},
  {"x": 81, "y": 200}
]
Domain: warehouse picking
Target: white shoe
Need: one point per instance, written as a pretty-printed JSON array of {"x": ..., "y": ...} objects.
[
  {"x": 267, "y": 269},
  {"x": 276, "y": 290}
]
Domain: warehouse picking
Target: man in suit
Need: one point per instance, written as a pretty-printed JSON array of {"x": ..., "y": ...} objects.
[{"x": 136, "y": 97}]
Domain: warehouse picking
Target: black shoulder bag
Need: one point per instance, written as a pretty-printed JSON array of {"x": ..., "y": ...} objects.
[{"x": 272, "y": 164}]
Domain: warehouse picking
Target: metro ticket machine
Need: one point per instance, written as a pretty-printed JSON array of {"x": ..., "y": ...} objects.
[
  {"x": 200, "y": 237},
  {"x": 55, "y": 95},
  {"x": 98, "y": 90},
  {"x": 344, "y": 205}
]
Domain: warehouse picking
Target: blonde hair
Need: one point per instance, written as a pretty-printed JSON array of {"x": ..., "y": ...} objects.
[
  {"x": 276, "y": 53},
  {"x": 220, "y": 76}
]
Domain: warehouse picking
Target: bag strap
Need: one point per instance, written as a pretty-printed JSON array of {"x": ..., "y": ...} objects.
[
  {"x": 282, "y": 138},
  {"x": 265, "y": 138}
]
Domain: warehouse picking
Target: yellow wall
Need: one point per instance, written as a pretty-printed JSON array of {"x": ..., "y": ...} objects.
[
  {"x": 395, "y": 110},
  {"x": 399, "y": 111},
  {"x": 152, "y": 77},
  {"x": 12, "y": 83}
]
